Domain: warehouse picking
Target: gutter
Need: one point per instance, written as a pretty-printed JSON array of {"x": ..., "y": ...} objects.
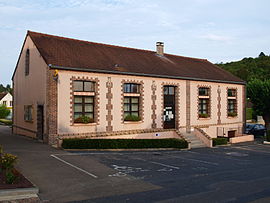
[{"x": 143, "y": 74}]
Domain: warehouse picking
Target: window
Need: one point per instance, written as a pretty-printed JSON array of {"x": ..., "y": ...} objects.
[
  {"x": 28, "y": 111},
  {"x": 10, "y": 103},
  {"x": 131, "y": 102},
  {"x": 84, "y": 86},
  {"x": 83, "y": 109},
  {"x": 5, "y": 103},
  {"x": 203, "y": 91},
  {"x": 131, "y": 106},
  {"x": 84, "y": 101},
  {"x": 232, "y": 103},
  {"x": 169, "y": 90},
  {"x": 231, "y": 92},
  {"x": 204, "y": 102},
  {"x": 27, "y": 62},
  {"x": 131, "y": 88}
]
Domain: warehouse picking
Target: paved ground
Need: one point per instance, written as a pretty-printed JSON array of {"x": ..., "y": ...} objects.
[{"x": 238, "y": 173}]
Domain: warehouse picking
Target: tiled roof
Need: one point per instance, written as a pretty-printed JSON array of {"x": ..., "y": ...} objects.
[{"x": 89, "y": 56}]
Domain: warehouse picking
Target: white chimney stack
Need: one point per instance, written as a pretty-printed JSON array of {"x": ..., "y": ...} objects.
[{"x": 160, "y": 48}]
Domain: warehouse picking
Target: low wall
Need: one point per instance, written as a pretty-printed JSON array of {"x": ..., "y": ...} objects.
[
  {"x": 57, "y": 140},
  {"x": 242, "y": 138}
]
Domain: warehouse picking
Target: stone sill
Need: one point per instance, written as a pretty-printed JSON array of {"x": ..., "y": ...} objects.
[
  {"x": 133, "y": 122},
  {"x": 205, "y": 118},
  {"x": 84, "y": 124}
]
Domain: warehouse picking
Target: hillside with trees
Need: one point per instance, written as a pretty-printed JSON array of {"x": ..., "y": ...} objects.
[
  {"x": 256, "y": 72},
  {"x": 249, "y": 68}
]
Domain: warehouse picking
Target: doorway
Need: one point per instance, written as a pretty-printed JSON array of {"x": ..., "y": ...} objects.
[
  {"x": 169, "y": 107},
  {"x": 40, "y": 122}
]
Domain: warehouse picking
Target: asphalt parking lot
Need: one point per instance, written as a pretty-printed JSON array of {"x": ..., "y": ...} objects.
[{"x": 238, "y": 173}]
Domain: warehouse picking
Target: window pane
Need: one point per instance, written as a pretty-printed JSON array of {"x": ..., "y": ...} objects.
[
  {"x": 88, "y": 99},
  {"x": 77, "y": 107},
  {"x": 90, "y": 115},
  {"x": 171, "y": 90},
  {"x": 135, "y": 113},
  {"x": 126, "y": 114},
  {"x": 126, "y": 107},
  {"x": 89, "y": 86},
  {"x": 77, "y": 99},
  {"x": 231, "y": 92},
  {"x": 77, "y": 115},
  {"x": 127, "y": 88},
  {"x": 135, "y": 100},
  {"x": 126, "y": 100},
  {"x": 134, "y": 88},
  {"x": 135, "y": 107},
  {"x": 88, "y": 108},
  {"x": 78, "y": 86},
  {"x": 166, "y": 90}
]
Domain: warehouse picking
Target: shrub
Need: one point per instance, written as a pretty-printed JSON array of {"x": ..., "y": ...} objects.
[
  {"x": 132, "y": 118},
  {"x": 6, "y": 122},
  {"x": 123, "y": 143},
  {"x": 268, "y": 136},
  {"x": 10, "y": 177},
  {"x": 232, "y": 114},
  {"x": 219, "y": 141},
  {"x": 84, "y": 119},
  {"x": 203, "y": 115},
  {"x": 8, "y": 161},
  {"x": 4, "y": 111}
]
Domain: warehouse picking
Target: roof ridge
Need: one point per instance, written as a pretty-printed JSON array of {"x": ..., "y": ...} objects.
[{"x": 110, "y": 45}]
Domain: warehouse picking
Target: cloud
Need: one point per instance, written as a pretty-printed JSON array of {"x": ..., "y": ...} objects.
[{"x": 215, "y": 37}]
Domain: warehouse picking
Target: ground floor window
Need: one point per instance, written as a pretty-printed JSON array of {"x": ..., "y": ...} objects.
[
  {"x": 83, "y": 109},
  {"x": 204, "y": 108},
  {"x": 28, "y": 111},
  {"x": 232, "y": 111},
  {"x": 131, "y": 109}
]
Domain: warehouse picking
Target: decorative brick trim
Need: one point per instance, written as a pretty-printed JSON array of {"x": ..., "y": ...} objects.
[
  {"x": 210, "y": 101},
  {"x": 219, "y": 105},
  {"x": 188, "y": 105},
  {"x": 141, "y": 100},
  {"x": 96, "y": 102},
  {"x": 114, "y": 133},
  {"x": 236, "y": 98},
  {"x": 154, "y": 106},
  {"x": 109, "y": 105},
  {"x": 213, "y": 124},
  {"x": 176, "y": 85},
  {"x": 51, "y": 98}
]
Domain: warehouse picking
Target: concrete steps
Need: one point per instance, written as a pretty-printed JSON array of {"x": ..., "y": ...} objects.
[{"x": 195, "y": 142}]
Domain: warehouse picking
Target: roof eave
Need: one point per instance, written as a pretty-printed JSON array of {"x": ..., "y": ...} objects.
[{"x": 144, "y": 74}]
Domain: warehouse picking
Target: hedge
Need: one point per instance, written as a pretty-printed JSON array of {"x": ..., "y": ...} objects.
[
  {"x": 77, "y": 143},
  {"x": 219, "y": 141},
  {"x": 6, "y": 122},
  {"x": 268, "y": 136}
]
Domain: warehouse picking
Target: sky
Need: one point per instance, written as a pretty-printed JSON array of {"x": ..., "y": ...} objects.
[{"x": 217, "y": 30}]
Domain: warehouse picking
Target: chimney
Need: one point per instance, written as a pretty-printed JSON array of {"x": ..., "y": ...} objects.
[{"x": 160, "y": 48}]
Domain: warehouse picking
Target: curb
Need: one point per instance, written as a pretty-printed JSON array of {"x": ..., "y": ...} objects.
[
  {"x": 18, "y": 193},
  {"x": 116, "y": 150}
]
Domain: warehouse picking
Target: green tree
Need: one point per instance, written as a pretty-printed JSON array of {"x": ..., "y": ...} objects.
[
  {"x": 4, "y": 111},
  {"x": 259, "y": 93},
  {"x": 261, "y": 54}
]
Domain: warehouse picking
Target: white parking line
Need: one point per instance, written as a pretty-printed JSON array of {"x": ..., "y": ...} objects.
[
  {"x": 161, "y": 164},
  {"x": 197, "y": 160},
  {"x": 84, "y": 171},
  {"x": 249, "y": 149}
]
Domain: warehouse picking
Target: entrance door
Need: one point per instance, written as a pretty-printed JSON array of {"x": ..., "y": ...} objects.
[
  {"x": 169, "y": 107},
  {"x": 40, "y": 122}
]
